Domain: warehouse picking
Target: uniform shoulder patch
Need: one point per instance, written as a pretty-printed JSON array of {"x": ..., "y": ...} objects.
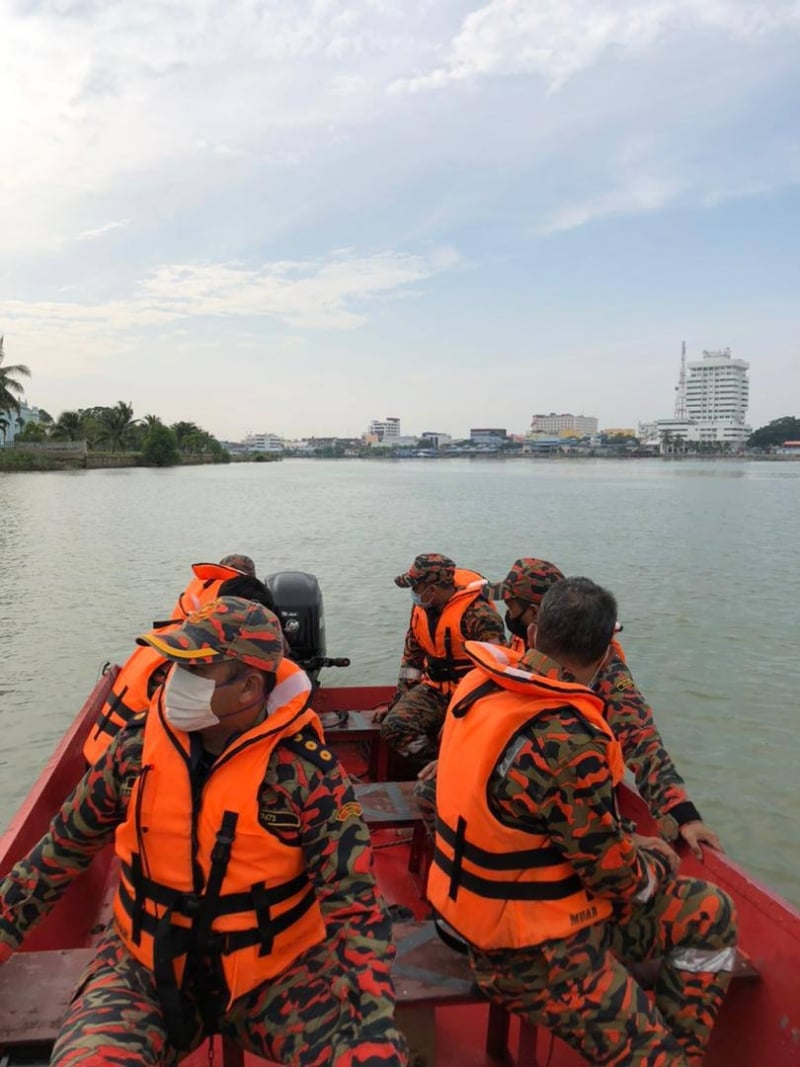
[{"x": 307, "y": 744}]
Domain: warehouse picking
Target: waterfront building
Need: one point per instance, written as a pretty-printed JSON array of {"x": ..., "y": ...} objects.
[
  {"x": 12, "y": 424},
  {"x": 385, "y": 429},
  {"x": 491, "y": 435},
  {"x": 263, "y": 442},
  {"x": 576, "y": 425},
  {"x": 711, "y": 401},
  {"x": 436, "y": 439},
  {"x": 717, "y": 396}
]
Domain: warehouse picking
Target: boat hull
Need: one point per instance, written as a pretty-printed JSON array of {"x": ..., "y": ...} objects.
[{"x": 759, "y": 1023}]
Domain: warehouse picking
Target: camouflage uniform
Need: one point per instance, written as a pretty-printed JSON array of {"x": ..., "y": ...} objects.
[
  {"x": 332, "y": 1005},
  {"x": 631, "y": 718},
  {"x": 417, "y": 712},
  {"x": 627, "y": 712},
  {"x": 554, "y": 778},
  {"x": 239, "y": 562}
]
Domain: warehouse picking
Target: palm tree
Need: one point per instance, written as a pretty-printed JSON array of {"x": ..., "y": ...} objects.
[
  {"x": 116, "y": 424},
  {"x": 183, "y": 431},
  {"x": 10, "y": 389},
  {"x": 69, "y": 427}
]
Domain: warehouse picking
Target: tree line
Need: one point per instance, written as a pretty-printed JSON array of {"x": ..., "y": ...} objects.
[{"x": 108, "y": 429}]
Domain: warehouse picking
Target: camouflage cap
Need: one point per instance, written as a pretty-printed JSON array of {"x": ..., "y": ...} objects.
[
  {"x": 529, "y": 579},
  {"x": 239, "y": 562},
  {"x": 228, "y": 627},
  {"x": 430, "y": 568}
]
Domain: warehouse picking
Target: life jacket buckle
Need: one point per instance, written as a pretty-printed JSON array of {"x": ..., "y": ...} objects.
[{"x": 190, "y": 905}]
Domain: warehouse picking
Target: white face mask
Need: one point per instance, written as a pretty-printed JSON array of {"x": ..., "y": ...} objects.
[{"x": 187, "y": 700}]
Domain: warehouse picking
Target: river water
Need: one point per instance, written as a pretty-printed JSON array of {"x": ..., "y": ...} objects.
[{"x": 702, "y": 556}]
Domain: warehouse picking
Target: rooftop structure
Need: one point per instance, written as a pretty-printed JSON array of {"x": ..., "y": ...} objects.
[
  {"x": 385, "y": 429},
  {"x": 555, "y": 423}
]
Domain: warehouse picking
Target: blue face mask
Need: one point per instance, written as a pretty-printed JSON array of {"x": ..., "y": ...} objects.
[{"x": 416, "y": 598}]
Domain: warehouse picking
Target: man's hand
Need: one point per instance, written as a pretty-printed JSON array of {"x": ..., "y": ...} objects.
[
  {"x": 381, "y": 713},
  {"x": 428, "y": 771},
  {"x": 697, "y": 833},
  {"x": 659, "y": 845}
]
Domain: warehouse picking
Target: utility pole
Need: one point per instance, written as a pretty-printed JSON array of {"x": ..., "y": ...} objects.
[{"x": 680, "y": 388}]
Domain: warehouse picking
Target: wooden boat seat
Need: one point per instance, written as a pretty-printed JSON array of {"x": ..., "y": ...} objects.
[
  {"x": 387, "y": 805},
  {"x": 427, "y": 974}
]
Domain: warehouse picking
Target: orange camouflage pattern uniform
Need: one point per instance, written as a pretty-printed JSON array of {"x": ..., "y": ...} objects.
[
  {"x": 631, "y": 718},
  {"x": 413, "y": 724},
  {"x": 333, "y": 1006},
  {"x": 554, "y": 778}
]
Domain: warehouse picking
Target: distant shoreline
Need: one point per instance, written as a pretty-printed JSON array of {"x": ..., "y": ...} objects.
[{"x": 28, "y": 462}]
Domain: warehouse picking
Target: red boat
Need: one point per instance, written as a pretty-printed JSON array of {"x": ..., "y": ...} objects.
[{"x": 446, "y": 1020}]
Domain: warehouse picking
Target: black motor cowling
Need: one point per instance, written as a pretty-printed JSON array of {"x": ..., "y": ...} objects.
[{"x": 298, "y": 604}]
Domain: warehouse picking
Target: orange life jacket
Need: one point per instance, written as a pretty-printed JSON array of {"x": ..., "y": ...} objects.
[
  {"x": 129, "y": 696},
  {"x": 445, "y": 660},
  {"x": 205, "y": 874},
  {"x": 502, "y": 886},
  {"x": 203, "y": 588}
]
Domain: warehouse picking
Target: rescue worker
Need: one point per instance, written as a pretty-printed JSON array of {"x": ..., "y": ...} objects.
[
  {"x": 246, "y": 902},
  {"x": 205, "y": 585},
  {"x": 534, "y": 869},
  {"x": 450, "y": 605},
  {"x": 143, "y": 671},
  {"x": 627, "y": 712}
]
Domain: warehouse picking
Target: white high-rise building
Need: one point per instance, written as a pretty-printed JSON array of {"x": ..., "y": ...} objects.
[
  {"x": 717, "y": 389},
  {"x": 710, "y": 401}
]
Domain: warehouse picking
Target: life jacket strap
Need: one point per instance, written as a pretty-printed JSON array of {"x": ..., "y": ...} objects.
[
  {"x": 518, "y": 859},
  {"x": 166, "y": 948},
  {"x": 491, "y": 889},
  {"x": 220, "y": 857},
  {"x": 484, "y": 689},
  {"x": 114, "y": 705}
]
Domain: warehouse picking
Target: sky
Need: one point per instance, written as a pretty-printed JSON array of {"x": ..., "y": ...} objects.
[{"x": 298, "y": 217}]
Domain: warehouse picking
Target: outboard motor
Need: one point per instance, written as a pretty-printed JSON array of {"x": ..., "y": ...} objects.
[{"x": 298, "y": 604}]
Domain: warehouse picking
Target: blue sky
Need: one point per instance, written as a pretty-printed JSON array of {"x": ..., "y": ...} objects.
[{"x": 298, "y": 217}]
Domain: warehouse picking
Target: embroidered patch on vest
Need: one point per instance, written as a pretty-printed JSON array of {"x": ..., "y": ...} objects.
[{"x": 279, "y": 822}]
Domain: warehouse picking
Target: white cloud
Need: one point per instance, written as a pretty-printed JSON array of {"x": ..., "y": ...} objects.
[
  {"x": 555, "y": 39},
  {"x": 177, "y": 174},
  {"x": 330, "y": 294},
  {"x": 99, "y": 231}
]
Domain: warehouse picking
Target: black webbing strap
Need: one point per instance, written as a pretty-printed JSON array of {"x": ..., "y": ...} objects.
[
  {"x": 463, "y": 706},
  {"x": 137, "y": 910},
  {"x": 458, "y": 857},
  {"x": 493, "y": 889},
  {"x": 115, "y": 703},
  {"x": 516, "y": 860},
  {"x": 220, "y": 857},
  {"x": 261, "y": 904},
  {"x": 165, "y": 950}
]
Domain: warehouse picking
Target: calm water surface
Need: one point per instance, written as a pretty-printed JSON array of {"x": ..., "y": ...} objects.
[{"x": 703, "y": 559}]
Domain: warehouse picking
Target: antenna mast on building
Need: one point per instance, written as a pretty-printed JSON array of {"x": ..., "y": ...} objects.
[{"x": 680, "y": 388}]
